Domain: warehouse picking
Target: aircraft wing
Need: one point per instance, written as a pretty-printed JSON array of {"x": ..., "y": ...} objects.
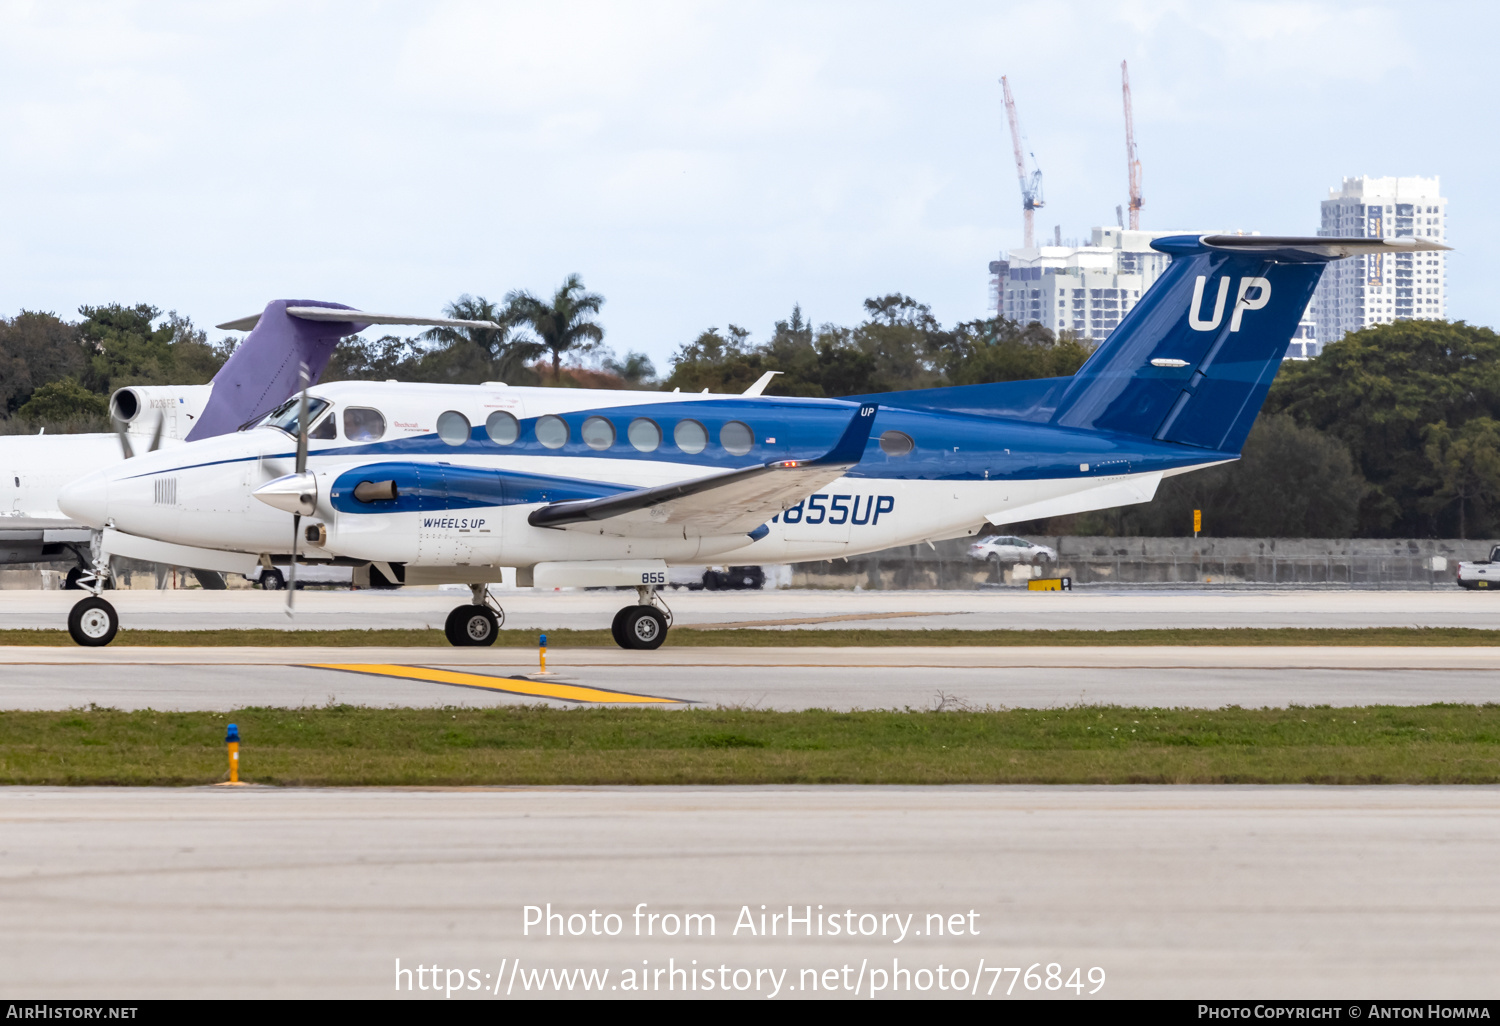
[
  {"x": 733, "y": 502},
  {"x": 44, "y": 525}
]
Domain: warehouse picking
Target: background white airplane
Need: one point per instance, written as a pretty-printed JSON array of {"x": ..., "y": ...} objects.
[
  {"x": 432, "y": 483},
  {"x": 34, "y": 468}
]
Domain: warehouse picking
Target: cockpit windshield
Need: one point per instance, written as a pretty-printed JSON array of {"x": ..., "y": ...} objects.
[{"x": 285, "y": 415}]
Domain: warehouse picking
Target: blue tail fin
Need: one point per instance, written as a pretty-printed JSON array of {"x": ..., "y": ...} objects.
[{"x": 1192, "y": 362}]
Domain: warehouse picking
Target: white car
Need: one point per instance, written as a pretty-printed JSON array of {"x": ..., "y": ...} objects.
[{"x": 1003, "y": 548}]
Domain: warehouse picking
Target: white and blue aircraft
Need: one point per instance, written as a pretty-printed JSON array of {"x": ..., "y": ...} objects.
[{"x": 436, "y": 484}]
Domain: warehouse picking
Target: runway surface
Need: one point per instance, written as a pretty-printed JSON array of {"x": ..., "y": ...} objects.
[
  {"x": 767, "y": 678},
  {"x": 1210, "y": 892},
  {"x": 1011, "y": 609}
]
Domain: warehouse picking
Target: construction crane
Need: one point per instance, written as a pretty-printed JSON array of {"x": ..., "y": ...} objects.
[
  {"x": 1031, "y": 185},
  {"x": 1131, "y": 162}
]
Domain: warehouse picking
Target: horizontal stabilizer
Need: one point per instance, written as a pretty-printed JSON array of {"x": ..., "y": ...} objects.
[
  {"x": 323, "y": 313},
  {"x": 733, "y": 502},
  {"x": 1283, "y": 247}
]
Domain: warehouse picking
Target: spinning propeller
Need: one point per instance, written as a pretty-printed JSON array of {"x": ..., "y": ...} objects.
[
  {"x": 126, "y": 447},
  {"x": 296, "y": 493}
]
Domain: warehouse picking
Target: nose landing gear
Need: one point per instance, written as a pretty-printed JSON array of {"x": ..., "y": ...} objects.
[
  {"x": 642, "y": 626},
  {"x": 93, "y": 622},
  {"x": 477, "y": 624}
]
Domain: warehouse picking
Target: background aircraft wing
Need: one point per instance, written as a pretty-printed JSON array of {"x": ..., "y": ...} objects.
[{"x": 733, "y": 502}]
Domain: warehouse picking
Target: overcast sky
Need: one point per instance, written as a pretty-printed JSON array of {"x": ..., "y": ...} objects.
[{"x": 697, "y": 164}]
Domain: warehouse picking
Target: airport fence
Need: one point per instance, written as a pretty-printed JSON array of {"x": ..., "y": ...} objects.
[{"x": 1160, "y": 562}]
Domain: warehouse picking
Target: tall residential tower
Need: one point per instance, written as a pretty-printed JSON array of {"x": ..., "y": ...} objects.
[{"x": 1360, "y": 291}]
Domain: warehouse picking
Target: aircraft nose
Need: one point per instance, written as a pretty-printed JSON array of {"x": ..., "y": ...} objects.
[{"x": 86, "y": 500}]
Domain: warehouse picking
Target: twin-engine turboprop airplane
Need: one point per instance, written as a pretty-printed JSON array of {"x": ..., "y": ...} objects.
[{"x": 433, "y": 483}]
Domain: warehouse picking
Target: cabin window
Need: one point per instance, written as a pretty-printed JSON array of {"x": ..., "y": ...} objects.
[
  {"x": 324, "y": 430},
  {"x": 736, "y": 438},
  {"x": 453, "y": 427},
  {"x": 552, "y": 431},
  {"x": 502, "y": 428},
  {"x": 644, "y": 434},
  {"x": 896, "y": 443},
  {"x": 362, "y": 424},
  {"x": 598, "y": 433},
  {"x": 690, "y": 436}
]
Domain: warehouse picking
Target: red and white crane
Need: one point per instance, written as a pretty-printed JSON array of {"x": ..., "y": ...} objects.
[
  {"x": 1131, "y": 162},
  {"x": 1031, "y": 185}
]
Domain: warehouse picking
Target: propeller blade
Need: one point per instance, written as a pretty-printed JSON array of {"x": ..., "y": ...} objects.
[
  {"x": 302, "y": 424},
  {"x": 161, "y": 425},
  {"x": 291, "y": 577},
  {"x": 291, "y": 583},
  {"x": 124, "y": 438}
]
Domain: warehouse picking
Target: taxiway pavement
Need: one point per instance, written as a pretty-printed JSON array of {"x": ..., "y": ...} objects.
[
  {"x": 1001, "y": 609},
  {"x": 1175, "y": 892},
  {"x": 768, "y": 678}
]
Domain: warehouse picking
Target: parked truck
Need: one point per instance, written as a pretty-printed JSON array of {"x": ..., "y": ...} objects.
[{"x": 1481, "y": 573}]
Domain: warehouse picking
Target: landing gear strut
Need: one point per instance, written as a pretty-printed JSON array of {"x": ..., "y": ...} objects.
[
  {"x": 642, "y": 626},
  {"x": 476, "y": 624},
  {"x": 93, "y": 622}
]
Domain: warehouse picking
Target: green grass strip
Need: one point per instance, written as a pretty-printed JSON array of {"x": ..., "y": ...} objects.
[
  {"x": 689, "y": 637},
  {"x": 535, "y": 745}
]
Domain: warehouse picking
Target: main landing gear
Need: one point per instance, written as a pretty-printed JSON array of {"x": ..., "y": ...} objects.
[
  {"x": 476, "y": 624},
  {"x": 642, "y": 626}
]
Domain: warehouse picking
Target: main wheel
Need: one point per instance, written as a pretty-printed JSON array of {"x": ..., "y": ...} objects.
[
  {"x": 617, "y": 627},
  {"x": 471, "y": 625},
  {"x": 272, "y": 580},
  {"x": 643, "y": 627},
  {"x": 93, "y": 622}
]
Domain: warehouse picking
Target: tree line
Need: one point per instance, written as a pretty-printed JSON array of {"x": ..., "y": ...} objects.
[{"x": 1393, "y": 432}]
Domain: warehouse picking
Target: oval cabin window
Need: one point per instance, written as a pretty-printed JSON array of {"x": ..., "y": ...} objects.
[
  {"x": 736, "y": 438},
  {"x": 644, "y": 435},
  {"x": 453, "y": 427},
  {"x": 502, "y": 428},
  {"x": 362, "y": 424},
  {"x": 552, "y": 431},
  {"x": 598, "y": 433},
  {"x": 690, "y": 436}
]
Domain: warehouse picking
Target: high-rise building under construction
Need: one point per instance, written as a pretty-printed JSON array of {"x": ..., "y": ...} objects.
[
  {"x": 1086, "y": 290},
  {"x": 1358, "y": 292}
]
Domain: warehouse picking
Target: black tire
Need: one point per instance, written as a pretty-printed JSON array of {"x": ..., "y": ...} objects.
[
  {"x": 471, "y": 626},
  {"x": 711, "y": 580},
  {"x": 93, "y": 622},
  {"x": 643, "y": 628},
  {"x": 616, "y": 628},
  {"x": 272, "y": 580}
]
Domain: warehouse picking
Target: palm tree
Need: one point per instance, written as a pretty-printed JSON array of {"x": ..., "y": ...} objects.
[
  {"x": 506, "y": 351},
  {"x": 564, "y": 325}
]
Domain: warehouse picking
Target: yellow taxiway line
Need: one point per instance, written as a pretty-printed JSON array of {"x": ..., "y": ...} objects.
[{"x": 509, "y": 685}]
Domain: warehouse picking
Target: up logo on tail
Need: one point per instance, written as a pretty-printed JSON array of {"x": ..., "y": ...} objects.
[{"x": 1243, "y": 301}]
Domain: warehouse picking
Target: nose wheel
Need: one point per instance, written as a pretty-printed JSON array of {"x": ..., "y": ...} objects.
[{"x": 93, "y": 622}]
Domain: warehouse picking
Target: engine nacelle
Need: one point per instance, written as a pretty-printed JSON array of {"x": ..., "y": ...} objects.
[{"x": 176, "y": 407}]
